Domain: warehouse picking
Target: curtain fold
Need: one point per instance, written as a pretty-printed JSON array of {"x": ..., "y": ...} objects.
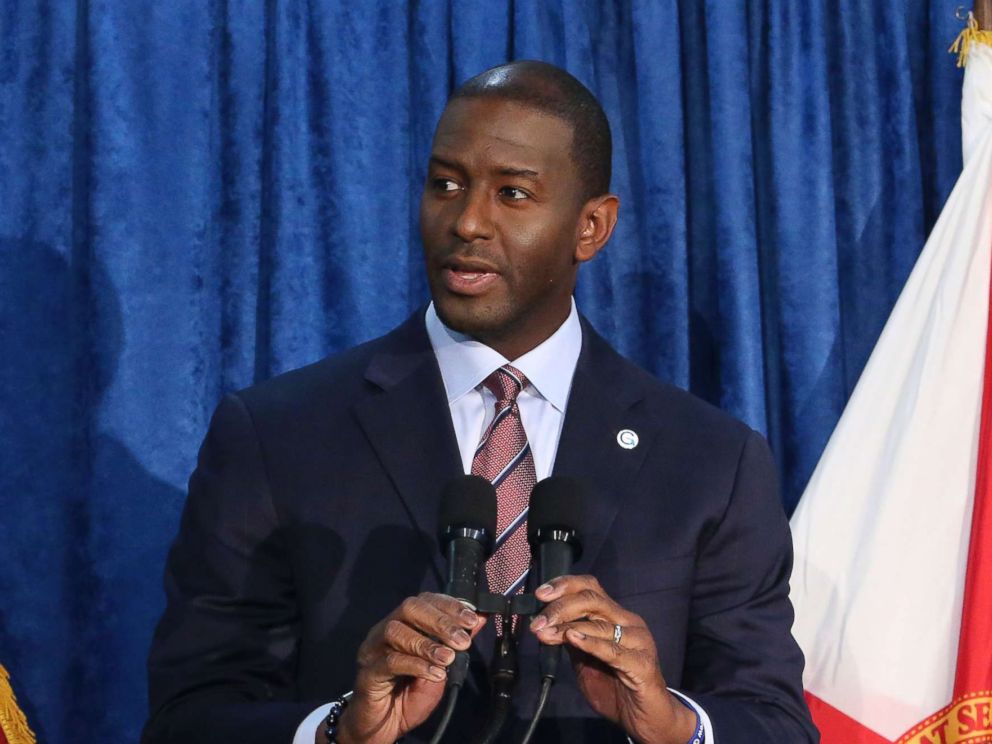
[{"x": 197, "y": 195}]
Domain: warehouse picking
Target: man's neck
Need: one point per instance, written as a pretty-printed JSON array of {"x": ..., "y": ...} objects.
[{"x": 465, "y": 361}]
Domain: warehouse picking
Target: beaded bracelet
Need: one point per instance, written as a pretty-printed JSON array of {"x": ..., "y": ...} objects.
[{"x": 334, "y": 716}]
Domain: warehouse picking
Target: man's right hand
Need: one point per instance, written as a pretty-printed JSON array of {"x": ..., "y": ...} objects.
[{"x": 402, "y": 668}]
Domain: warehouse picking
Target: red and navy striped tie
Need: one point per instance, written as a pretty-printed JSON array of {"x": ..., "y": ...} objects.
[{"x": 504, "y": 458}]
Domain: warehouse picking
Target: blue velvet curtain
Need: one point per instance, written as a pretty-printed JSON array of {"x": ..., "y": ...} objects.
[{"x": 198, "y": 194}]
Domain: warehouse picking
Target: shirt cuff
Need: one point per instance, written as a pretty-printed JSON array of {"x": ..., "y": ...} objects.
[
  {"x": 703, "y": 718},
  {"x": 306, "y": 732}
]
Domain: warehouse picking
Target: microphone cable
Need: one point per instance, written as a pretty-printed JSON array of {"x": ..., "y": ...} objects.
[
  {"x": 504, "y": 680},
  {"x": 449, "y": 709},
  {"x": 542, "y": 701},
  {"x": 456, "y": 674},
  {"x": 497, "y": 719}
]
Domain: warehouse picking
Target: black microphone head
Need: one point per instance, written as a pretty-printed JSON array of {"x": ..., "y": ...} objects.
[
  {"x": 556, "y": 503},
  {"x": 468, "y": 501}
]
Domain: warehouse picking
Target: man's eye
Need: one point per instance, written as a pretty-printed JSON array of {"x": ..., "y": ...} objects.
[
  {"x": 445, "y": 184},
  {"x": 511, "y": 192}
]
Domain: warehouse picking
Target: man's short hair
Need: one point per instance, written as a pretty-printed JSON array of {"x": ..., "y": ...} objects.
[{"x": 552, "y": 90}]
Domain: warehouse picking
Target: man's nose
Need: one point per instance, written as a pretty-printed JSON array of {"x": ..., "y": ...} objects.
[{"x": 475, "y": 220}]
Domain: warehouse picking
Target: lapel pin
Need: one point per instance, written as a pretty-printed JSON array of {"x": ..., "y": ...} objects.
[{"x": 627, "y": 438}]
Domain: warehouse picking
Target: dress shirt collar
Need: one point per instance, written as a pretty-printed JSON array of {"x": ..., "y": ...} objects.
[{"x": 465, "y": 363}]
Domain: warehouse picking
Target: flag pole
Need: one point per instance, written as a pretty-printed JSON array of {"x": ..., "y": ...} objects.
[{"x": 983, "y": 14}]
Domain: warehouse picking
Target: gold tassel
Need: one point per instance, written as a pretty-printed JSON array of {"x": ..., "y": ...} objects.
[
  {"x": 968, "y": 37},
  {"x": 12, "y": 721}
]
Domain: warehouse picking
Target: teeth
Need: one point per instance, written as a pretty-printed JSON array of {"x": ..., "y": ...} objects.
[{"x": 470, "y": 276}]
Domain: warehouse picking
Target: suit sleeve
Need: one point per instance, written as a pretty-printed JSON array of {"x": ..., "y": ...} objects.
[
  {"x": 222, "y": 660},
  {"x": 742, "y": 664}
]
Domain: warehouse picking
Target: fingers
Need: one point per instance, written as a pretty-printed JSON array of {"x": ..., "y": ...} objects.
[
  {"x": 635, "y": 668},
  {"x": 397, "y": 664},
  {"x": 402, "y": 638},
  {"x": 581, "y": 615},
  {"x": 440, "y": 617},
  {"x": 419, "y": 639},
  {"x": 634, "y": 638},
  {"x": 573, "y": 598}
]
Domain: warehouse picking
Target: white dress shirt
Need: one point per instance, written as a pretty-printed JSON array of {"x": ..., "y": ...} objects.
[{"x": 465, "y": 364}]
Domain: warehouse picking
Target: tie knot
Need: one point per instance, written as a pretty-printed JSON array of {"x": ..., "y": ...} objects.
[{"x": 506, "y": 383}]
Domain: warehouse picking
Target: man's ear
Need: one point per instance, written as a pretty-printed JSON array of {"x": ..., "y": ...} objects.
[{"x": 596, "y": 223}]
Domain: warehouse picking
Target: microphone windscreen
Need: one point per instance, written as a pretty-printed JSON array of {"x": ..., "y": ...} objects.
[
  {"x": 558, "y": 503},
  {"x": 468, "y": 501}
]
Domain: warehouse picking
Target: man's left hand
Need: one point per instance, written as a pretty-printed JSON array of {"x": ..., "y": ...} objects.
[{"x": 622, "y": 681}]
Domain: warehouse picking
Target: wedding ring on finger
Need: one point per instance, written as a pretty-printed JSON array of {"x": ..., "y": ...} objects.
[{"x": 617, "y": 634}]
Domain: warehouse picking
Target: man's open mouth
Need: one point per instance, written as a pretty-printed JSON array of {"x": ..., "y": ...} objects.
[{"x": 466, "y": 277}]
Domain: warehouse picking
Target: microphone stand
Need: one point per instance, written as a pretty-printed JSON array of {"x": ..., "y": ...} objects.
[
  {"x": 503, "y": 679},
  {"x": 504, "y": 671}
]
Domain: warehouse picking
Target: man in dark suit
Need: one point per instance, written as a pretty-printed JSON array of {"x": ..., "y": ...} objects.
[{"x": 307, "y": 563}]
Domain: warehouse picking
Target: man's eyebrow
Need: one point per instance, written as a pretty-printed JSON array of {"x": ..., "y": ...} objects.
[
  {"x": 518, "y": 172},
  {"x": 504, "y": 170},
  {"x": 434, "y": 159}
]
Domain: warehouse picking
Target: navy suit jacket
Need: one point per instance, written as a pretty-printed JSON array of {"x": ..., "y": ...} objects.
[{"x": 312, "y": 514}]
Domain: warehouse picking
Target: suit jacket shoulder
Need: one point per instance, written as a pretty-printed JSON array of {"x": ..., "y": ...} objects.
[
  {"x": 342, "y": 377},
  {"x": 687, "y": 530}
]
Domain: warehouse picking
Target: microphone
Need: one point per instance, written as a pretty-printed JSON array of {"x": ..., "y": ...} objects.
[
  {"x": 467, "y": 532},
  {"x": 553, "y": 530}
]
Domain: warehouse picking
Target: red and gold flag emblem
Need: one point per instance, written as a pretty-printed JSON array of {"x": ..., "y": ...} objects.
[{"x": 14, "y": 727}]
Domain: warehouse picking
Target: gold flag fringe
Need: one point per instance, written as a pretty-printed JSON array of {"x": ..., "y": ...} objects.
[
  {"x": 12, "y": 721},
  {"x": 968, "y": 37}
]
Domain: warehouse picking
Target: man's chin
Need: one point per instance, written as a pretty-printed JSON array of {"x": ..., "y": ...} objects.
[{"x": 472, "y": 319}]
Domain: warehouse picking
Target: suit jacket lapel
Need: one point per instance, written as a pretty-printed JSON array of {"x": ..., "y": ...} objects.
[
  {"x": 409, "y": 426},
  {"x": 602, "y": 403}
]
